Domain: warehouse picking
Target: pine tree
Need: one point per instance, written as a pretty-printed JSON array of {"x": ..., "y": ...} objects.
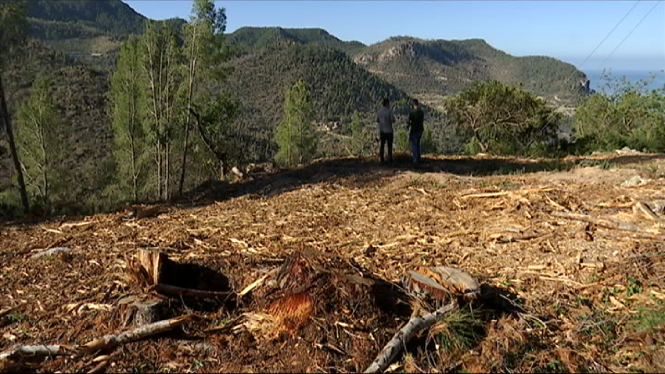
[
  {"x": 13, "y": 35},
  {"x": 161, "y": 62},
  {"x": 127, "y": 105},
  {"x": 40, "y": 145},
  {"x": 204, "y": 53},
  {"x": 356, "y": 143},
  {"x": 295, "y": 136}
]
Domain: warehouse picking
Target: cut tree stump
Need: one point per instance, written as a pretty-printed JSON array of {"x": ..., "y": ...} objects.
[
  {"x": 148, "y": 266},
  {"x": 143, "y": 312}
]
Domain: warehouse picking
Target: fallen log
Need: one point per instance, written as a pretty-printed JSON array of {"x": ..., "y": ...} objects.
[
  {"x": 113, "y": 340},
  {"x": 404, "y": 335},
  {"x": 179, "y": 291}
]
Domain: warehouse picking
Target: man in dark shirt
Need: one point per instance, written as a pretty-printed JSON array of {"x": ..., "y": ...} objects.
[{"x": 416, "y": 123}]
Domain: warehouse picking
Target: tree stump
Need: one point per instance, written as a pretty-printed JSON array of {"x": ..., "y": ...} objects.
[
  {"x": 142, "y": 312},
  {"x": 147, "y": 266}
]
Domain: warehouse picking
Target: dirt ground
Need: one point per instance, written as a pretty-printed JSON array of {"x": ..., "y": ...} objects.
[{"x": 568, "y": 257}]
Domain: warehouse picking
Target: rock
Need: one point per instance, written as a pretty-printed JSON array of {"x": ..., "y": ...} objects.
[
  {"x": 51, "y": 252},
  {"x": 627, "y": 151},
  {"x": 635, "y": 181}
]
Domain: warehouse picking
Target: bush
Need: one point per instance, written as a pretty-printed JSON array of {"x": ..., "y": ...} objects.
[
  {"x": 503, "y": 119},
  {"x": 624, "y": 114}
]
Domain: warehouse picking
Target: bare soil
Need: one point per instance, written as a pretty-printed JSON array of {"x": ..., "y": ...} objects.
[{"x": 558, "y": 293}]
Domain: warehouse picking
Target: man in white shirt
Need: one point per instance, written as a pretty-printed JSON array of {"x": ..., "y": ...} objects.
[{"x": 385, "y": 118}]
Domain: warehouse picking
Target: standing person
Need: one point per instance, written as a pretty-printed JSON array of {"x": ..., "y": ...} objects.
[
  {"x": 416, "y": 123},
  {"x": 385, "y": 118}
]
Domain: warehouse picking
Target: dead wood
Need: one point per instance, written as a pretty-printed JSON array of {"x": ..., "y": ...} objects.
[
  {"x": 143, "y": 312},
  {"x": 99, "y": 368},
  {"x": 487, "y": 194},
  {"x": 257, "y": 282},
  {"x": 33, "y": 351},
  {"x": 643, "y": 208},
  {"x": 148, "y": 266},
  {"x": 624, "y": 226},
  {"x": 179, "y": 291},
  {"x": 113, "y": 340},
  {"x": 138, "y": 211},
  {"x": 404, "y": 335}
]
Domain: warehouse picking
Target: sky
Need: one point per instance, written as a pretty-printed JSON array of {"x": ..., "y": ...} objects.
[{"x": 578, "y": 32}]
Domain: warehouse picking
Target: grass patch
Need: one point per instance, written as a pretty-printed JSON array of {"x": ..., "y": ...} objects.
[
  {"x": 459, "y": 330},
  {"x": 601, "y": 164},
  {"x": 650, "y": 319}
]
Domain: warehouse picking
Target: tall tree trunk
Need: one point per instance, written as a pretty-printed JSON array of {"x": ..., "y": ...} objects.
[
  {"x": 135, "y": 174},
  {"x": 45, "y": 163},
  {"x": 12, "y": 147},
  {"x": 192, "y": 75},
  {"x": 221, "y": 156},
  {"x": 167, "y": 179},
  {"x": 159, "y": 170}
]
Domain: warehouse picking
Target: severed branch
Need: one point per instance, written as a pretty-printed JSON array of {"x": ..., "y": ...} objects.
[
  {"x": 113, "y": 340},
  {"x": 107, "y": 341},
  {"x": 623, "y": 226},
  {"x": 179, "y": 291},
  {"x": 34, "y": 351},
  {"x": 404, "y": 335},
  {"x": 647, "y": 211}
]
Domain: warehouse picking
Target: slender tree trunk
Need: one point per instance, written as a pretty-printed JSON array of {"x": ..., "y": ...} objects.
[
  {"x": 12, "y": 147},
  {"x": 192, "y": 74},
  {"x": 45, "y": 165},
  {"x": 167, "y": 180},
  {"x": 134, "y": 173},
  {"x": 159, "y": 170}
]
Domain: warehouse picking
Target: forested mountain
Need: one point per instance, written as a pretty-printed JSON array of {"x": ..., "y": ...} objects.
[
  {"x": 110, "y": 16},
  {"x": 337, "y": 85},
  {"x": 252, "y": 38},
  {"x": 441, "y": 67},
  {"x": 89, "y": 30}
]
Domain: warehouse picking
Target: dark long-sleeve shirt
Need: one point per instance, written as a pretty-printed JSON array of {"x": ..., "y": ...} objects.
[{"x": 416, "y": 120}]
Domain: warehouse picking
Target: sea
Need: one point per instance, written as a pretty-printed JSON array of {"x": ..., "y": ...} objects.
[{"x": 634, "y": 76}]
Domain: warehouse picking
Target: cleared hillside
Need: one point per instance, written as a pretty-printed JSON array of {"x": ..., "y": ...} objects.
[{"x": 557, "y": 294}]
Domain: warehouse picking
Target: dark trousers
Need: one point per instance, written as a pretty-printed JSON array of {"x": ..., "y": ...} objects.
[
  {"x": 387, "y": 137},
  {"x": 414, "y": 137}
]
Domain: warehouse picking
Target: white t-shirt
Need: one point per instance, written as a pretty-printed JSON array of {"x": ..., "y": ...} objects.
[{"x": 385, "y": 118}]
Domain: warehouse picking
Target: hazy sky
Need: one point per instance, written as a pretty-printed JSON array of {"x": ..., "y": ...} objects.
[{"x": 568, "y": 30}]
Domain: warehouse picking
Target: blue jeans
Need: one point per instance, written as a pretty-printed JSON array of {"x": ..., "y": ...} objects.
[{"x": 414, "y": 138}]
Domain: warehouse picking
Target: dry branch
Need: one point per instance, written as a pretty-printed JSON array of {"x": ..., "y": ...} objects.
[
  {"x": 257, "y": 282},
  {"x": 113, "y": 340},
  {"x": 647, "y": 211},
  {"x": 99, "y": 368},
  {"x": 23, "y": 351},
  {"x": 487, "y": 194},
  {"x": 179, "y": 291},
  {"x": 403, "y": 336},
  {"x": 624, "y": 226}
]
